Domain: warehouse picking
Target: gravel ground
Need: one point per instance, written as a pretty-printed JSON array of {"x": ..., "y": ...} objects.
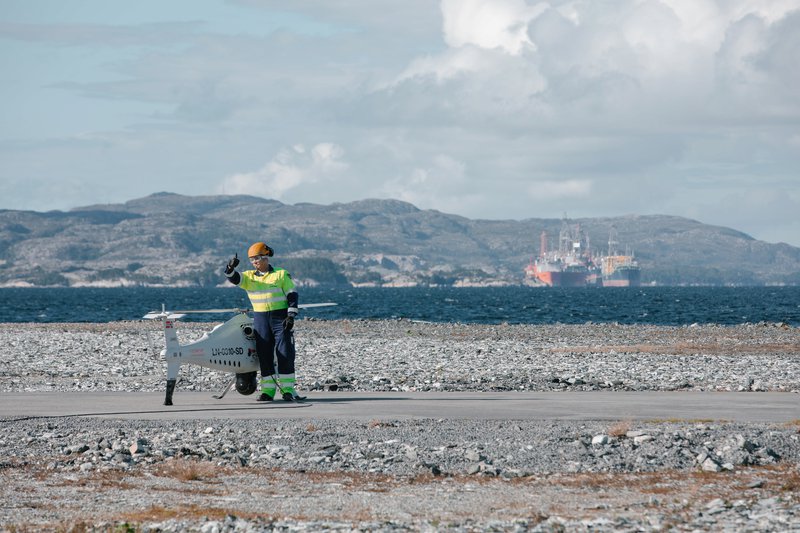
[{"x": 84, "y": 474}]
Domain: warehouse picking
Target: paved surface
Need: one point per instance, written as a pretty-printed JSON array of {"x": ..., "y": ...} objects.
[{"x": 668, "y": 406}]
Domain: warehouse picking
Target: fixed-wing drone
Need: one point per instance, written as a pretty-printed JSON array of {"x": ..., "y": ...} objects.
[{"x": 229, "y": 347}]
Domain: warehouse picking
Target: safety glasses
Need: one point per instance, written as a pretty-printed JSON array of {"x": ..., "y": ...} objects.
[{"x": 257, "y": 258}]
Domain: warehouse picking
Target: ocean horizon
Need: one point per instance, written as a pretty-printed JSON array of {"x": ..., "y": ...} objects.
[{"x": 490, "y": 305}]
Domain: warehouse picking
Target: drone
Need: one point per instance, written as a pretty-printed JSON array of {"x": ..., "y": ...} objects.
[{"x": 228, "y": 347}]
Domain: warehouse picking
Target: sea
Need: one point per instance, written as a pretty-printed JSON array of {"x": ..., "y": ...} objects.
[{"x": 513, "y": 305}]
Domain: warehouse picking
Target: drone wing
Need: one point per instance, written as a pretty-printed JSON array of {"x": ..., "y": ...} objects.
[
  {"x": 160, "y": 314},
  {"x": 233, "y": 310},
  {"x": 183, "y": 312}
]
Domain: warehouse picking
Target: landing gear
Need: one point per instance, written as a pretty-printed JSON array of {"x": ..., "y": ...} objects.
[{"x": 170, "y": 390}]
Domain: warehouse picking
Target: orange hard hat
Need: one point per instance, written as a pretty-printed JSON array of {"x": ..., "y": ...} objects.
[{"x": 259, "y": 248}]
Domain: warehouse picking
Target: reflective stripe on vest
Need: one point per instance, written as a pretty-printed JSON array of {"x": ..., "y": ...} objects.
[
  {"x": 267, "y": 292},
  {"x": 267, "y": 296}
]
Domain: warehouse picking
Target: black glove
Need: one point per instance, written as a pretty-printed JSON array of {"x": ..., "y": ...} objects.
[
  {"x": 288, "y": 323},
  {"x": 232, "y": 264}
]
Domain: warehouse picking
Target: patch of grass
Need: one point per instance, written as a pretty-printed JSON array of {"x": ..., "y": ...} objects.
[
  {"x": 791, "y": 482},
  {"x": 187, "y": 470},
  {"x": 688, "y": 421},
  {"x": 620, "y": 429},
  {"x": 695, "y": 487},
  {"x": 158, "y": 513},
  {"x": 794, "y": 424}
]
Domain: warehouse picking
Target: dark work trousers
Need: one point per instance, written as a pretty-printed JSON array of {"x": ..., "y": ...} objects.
[{"x": 272, "y": 339}]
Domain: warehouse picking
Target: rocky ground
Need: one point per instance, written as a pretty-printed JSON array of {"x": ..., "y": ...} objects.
[{"x": 83, "y": 474}]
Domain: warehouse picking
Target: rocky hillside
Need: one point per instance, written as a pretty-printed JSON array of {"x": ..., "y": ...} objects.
[{"x": 178, "y": 240}]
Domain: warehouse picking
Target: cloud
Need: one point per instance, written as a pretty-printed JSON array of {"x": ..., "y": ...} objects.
[
  {"x": 484, "y": 108},
  {"x": 561, "y": 190},
  {"x": 440, "y": 184},
  {"x": 289, "y": 170},
  {"x": 501, "y": 24}
]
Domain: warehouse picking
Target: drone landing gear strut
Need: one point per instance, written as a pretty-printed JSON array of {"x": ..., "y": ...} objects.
[
  {"x": 225, "y": 390},
  {"x": 170, "y": 390}
]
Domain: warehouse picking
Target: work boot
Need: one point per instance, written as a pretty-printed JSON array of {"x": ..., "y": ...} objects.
[
  {"x": 292, "y": 397},
  {"x": 264, "y": 398}
]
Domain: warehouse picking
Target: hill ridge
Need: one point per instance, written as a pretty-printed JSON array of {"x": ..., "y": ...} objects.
[{"x": 171, "y": 239}]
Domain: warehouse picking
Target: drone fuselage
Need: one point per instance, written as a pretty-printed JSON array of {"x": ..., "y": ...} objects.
[{"x": 229, "y": 347}]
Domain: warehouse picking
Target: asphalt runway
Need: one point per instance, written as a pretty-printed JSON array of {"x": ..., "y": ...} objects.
[{"x": 665, "y": 406}]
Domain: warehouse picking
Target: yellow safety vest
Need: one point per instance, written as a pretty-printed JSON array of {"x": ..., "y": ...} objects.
[{"x": 268, "y": 291}]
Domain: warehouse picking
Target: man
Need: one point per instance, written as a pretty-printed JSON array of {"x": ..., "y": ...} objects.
[{"x": 274, "y": 300}]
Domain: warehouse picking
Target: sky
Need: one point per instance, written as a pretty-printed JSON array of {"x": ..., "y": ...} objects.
[{"x": 489, "y": 109}]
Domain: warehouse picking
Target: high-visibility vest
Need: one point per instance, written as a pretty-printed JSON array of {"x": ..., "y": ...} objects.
[{"x": 267, "y": 292}]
